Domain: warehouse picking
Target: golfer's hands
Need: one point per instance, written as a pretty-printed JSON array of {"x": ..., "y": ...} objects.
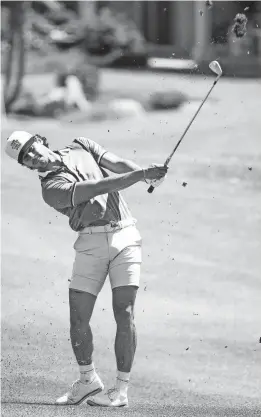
[
  {"x": 155, "y": 174},
  {"x": 156, "y": 183}
]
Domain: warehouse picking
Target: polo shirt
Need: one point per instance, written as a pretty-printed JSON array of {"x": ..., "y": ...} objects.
[{"x": 80, "y": 162}]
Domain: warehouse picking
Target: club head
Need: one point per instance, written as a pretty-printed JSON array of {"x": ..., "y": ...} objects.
[{"x": 216, "y": 68}]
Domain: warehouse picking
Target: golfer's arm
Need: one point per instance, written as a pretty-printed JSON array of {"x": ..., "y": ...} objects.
[
  {"x": 118, "y": 165},
  {"x": 88, "y": 189}
]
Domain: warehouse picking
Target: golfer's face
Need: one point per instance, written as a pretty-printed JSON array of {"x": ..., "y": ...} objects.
[{"x": 36, "y": 156}]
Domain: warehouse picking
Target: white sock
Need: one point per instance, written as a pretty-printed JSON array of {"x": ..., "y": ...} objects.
[
  {"x": 122, "y": 381},
  {"x": 87, "y": 373}
]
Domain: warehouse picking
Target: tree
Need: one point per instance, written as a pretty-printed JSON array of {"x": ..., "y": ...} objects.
[
  {"x": 14, "y": 61},
  {"x": 15, "y": 52}
]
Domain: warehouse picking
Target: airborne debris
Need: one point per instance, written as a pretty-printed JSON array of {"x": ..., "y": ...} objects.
[
  {"x": 239, "y": 26},
  {"x": 209, "y": 4},
  {"x": 184, "y": 184}
]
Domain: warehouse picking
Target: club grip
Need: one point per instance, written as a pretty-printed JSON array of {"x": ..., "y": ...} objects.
[{"x": 150, "y": 189}]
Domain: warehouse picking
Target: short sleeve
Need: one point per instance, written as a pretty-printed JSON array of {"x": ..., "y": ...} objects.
[
  {"x": 58, "y": 193},
  {"x": 94, "y": 148}
]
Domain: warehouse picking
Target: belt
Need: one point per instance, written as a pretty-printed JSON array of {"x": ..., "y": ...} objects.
[{"x": 110, "y": 227}]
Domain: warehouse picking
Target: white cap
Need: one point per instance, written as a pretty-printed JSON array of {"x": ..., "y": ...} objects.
[{"x": 16, "y": 143}]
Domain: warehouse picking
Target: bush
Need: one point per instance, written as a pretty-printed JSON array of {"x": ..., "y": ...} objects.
[
  {"x": 111, "y": 31},
  {"x": 108, "y": 31},
  {"x": 105, "y": 33},
  {"x": 166, "y": 100},
  {"x": 88, "y": 75}
]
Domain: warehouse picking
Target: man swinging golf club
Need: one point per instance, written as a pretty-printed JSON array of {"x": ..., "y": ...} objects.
[{"x": 74, "y": 182}]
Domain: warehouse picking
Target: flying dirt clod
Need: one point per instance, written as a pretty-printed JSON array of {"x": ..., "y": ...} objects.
[{"x": 239, "y": 27}]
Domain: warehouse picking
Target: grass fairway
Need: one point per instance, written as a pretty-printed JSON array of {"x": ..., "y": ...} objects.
[{"x": 198, "y": 308}]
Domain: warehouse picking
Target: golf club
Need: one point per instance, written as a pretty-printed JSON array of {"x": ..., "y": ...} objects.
[{"x": 216, "y": 68}]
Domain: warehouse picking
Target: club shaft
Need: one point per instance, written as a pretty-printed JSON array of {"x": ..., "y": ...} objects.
[
  {"x": 151, "y": 188},
  {"x": 190, "y": 123}
]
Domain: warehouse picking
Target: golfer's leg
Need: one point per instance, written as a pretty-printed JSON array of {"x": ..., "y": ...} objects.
[
  {"x": 124, "y": 275},
  {"x": 89, "y": 273},
  {"x": 126, "y": 337},
  {"x": 81, "y": 308},
  {"x": 124, "y": 272},
  {"x": 89, "y": 383},
  {"x": 125, "y": 346}
]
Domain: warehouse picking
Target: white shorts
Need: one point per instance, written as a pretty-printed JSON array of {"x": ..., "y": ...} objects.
[{"x": 107, "y": 250}]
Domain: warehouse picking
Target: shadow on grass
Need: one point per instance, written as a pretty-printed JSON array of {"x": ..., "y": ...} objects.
[{"x": 34, "y": 403}]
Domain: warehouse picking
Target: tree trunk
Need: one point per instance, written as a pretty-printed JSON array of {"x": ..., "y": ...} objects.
[{"x": 15, "y": 59}]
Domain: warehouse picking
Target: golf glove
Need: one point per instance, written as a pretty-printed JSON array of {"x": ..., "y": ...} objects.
[{"x": 156, "y": 183}]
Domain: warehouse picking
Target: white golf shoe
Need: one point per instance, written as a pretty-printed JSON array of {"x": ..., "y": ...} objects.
[
  {"x": 79, "y": 392},
  {"x": 112, "y": 398}
]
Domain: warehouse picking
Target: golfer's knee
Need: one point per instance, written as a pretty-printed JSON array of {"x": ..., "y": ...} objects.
[
  {"x": 81, "y": 308},
  {"x": 124, "y": 314},
  {"x": 79, "y": 324}
]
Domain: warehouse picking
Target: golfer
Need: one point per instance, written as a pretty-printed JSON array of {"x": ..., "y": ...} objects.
[{"x": 75, "y": 183}]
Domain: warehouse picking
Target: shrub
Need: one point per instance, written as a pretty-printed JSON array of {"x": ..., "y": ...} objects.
[
  {"x": 106, "y": 32},
  {"x": 166, "y": 100}
]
